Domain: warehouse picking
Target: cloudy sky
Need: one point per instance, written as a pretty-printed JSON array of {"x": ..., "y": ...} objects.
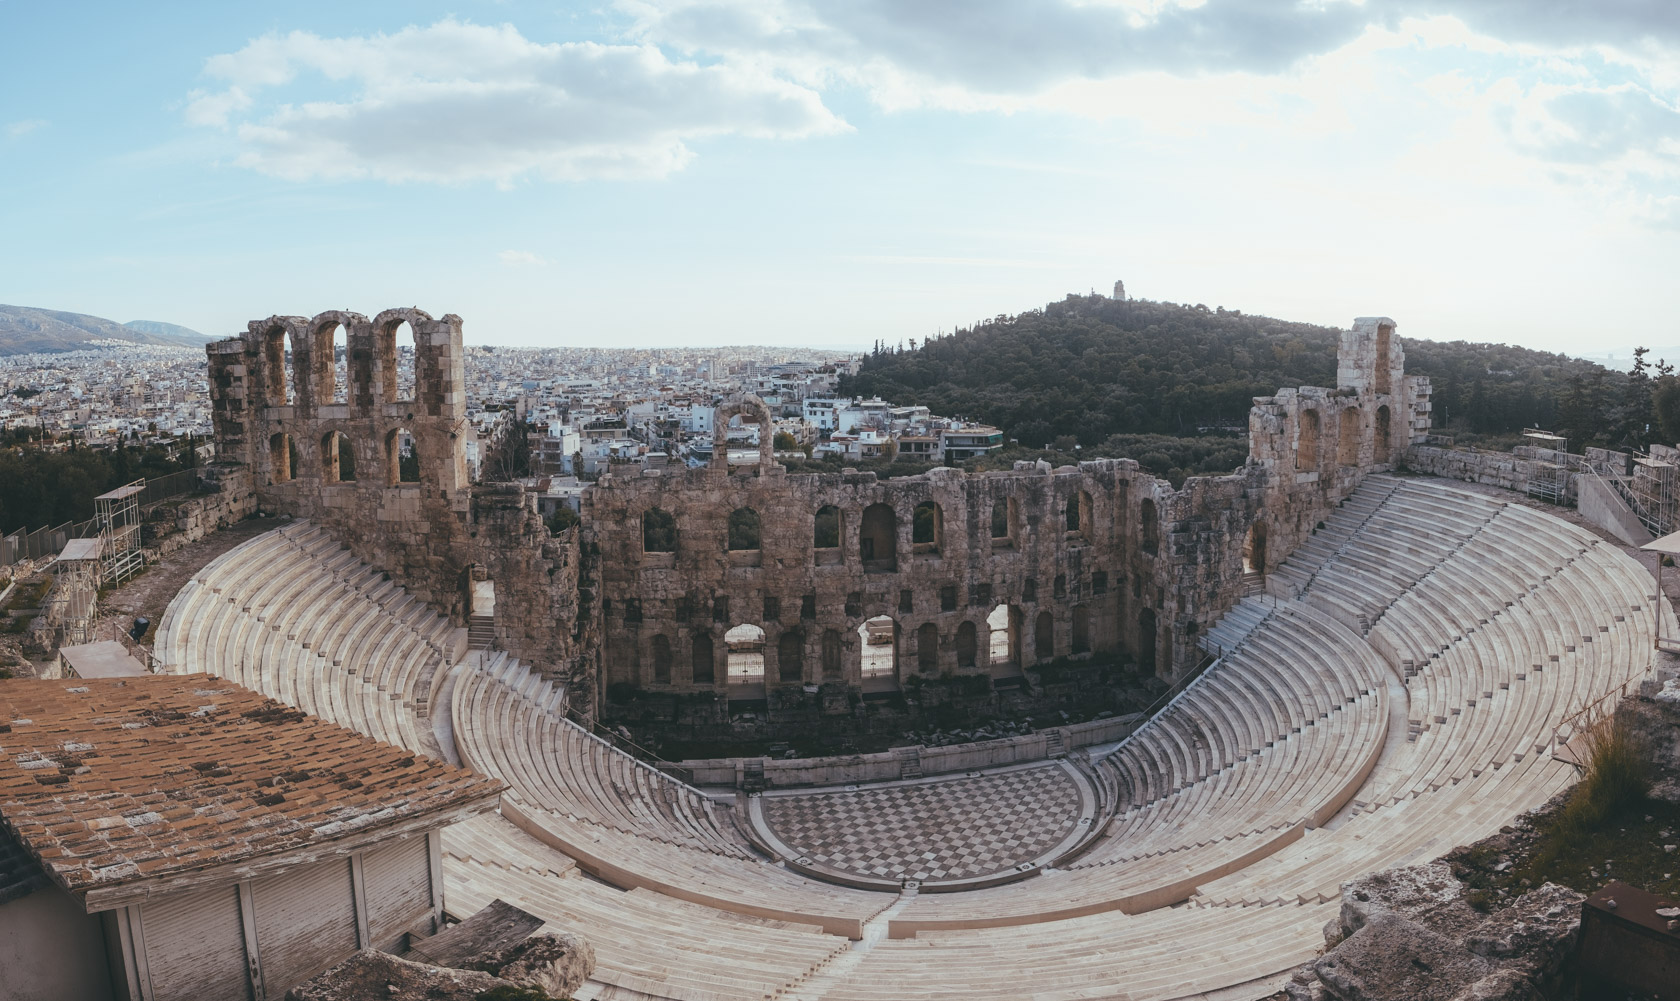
[{"x": 830, "y": 172}]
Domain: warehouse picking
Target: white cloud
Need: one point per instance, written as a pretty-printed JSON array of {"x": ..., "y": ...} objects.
[
  {"x": 22, "y": 128},
  {"x": 522, "y": 258},
  {"x": 461, "y": 102}
]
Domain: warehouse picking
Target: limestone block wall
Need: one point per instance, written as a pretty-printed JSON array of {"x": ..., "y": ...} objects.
[
  {"x": 1507, "y": 470},
  {"x": 232, "y": 498}
]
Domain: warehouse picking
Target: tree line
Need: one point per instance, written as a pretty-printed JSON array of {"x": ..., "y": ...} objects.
[
  {"x": 1091, "y": 368},
  {"x": 42, "y": 486}
]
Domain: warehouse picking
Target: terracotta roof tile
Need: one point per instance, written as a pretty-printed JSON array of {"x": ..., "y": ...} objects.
[{"x": 108, "y": 779}]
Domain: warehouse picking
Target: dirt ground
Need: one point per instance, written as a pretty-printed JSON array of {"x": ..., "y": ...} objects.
[{"x": 150, "y": 593}]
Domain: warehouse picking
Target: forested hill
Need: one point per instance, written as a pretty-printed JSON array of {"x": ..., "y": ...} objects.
[{"x": 1091, "y": 367}]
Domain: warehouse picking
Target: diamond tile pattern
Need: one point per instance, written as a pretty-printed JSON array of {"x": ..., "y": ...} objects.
[{"x": 943, "y": 830}]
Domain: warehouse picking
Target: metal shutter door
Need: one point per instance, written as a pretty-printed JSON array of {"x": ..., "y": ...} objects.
[
  {"x": 195, "y": 946},
  {"x": 398, "y": 882},
  {"x": 306, "y": 922}
]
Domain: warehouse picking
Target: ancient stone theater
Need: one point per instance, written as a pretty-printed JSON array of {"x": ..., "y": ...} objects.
[{"x": 1357, "y": 667}]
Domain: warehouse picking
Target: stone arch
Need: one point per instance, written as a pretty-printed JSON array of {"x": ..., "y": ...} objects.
[
  {"x": 338, "y": 458},
  {"x": 927, "y": 528},
  {"x": 746, "y": 531},
  {"x": 282, "y": 458},
  {"x": 1306, "y": 447},
  {"x": 1044, "y": 636},
  {"x": 927, "y": 648},
  {"x": 968, "y": 645},
  {"x": 1347, "y": 448},
  {"x": 1003, "y": 639},
  {"x": 752, "y": 410},
  {"x": 1147, "y": 639},
  {"x": 702, "y": 659},
  {"x": 661, "y": 649},
  {"x": 1149, "y": 527},
  {"x": 1077, "y": 515},
  {"x": 1081, "y": 640},
  {"x": 1382, "y": 444},
  {"x": 402, "y": 457},
  {"x": 832, "y": 666},
  {"x": 327, "y": 388},
  {"x": 878, "y": 539},
  {"x": 790, "y": 657},
  {"x": 394, "y": 385},
  {"x": 279, "y": 349},
  {"x": 1003, "y": 522},
  {"x": 659, "y": 531}
]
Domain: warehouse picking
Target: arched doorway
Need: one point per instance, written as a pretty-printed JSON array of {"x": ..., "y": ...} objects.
[
  {"x": 878, "y": 638},
  {"x": 1254, "y": 549},
  {"x": 878, "y": 539},
  {"x": 1044, "y": 636},
  {"x": 746, "y": 662}
]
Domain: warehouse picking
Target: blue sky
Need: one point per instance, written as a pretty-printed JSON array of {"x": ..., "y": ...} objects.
[{"x": 830, "y": 172}]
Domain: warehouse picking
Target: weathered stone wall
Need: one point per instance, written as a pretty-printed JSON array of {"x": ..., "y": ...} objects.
[
  {"x": 1097, "y": 558},
  {"x": 1507, "y": 470},
  {"x": 174, "y": 523},
  {"x": 274, "y": 390}
]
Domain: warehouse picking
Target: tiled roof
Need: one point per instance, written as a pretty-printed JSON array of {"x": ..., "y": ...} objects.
[{"x": 109, "y": 780}]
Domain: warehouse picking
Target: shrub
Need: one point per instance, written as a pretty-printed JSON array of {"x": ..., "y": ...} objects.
[{"x": 1615, "y": 779}]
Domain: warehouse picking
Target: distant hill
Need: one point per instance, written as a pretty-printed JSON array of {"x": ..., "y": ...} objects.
[
  {"x": 25, "y": 329},
  {"x": 1091, "y": 367},
  {"x": 185, "y": 334}
]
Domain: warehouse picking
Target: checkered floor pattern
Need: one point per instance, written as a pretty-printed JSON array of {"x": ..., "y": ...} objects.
[{"x": 951, "y": 829}]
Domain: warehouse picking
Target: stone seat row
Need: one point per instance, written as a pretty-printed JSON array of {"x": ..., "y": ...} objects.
[
  {"x": 669, "y": 838},
  {"x": 644, "y": 942},
  {"x": 293, "y": 615}
]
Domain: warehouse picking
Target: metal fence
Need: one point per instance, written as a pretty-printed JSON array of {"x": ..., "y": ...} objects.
[{"x": 42, "y": 542}]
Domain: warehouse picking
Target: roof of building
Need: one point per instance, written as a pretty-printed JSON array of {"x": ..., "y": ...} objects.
[
  {"x": 81, "y": 549},
  {"x": 113, "y": 780},
  {"x": 102, "y": 659}
]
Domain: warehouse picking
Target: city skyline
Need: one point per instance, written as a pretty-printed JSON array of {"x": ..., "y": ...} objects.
[{"x": 672, "y": 174}]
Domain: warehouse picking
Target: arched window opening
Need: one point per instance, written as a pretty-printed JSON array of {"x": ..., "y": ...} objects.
[
  {"x": 1254, "y": 549},
  {"x": 661, "y": 660},
  {"x": 338, "y": 458},
  {"x": 1002, "y": 522},
  {"x": 927, "y": 648},
  {"x": 1347, "y": 451},
  {"x": 831, "y": 667},
  {"x": 927, "y": 531},
  {"x": 879, "y": 640},
  {"x": 282, "y": 458},
  {"x": 1044, "y": 636},
  {"x": 746, "y": 661},
  {"x": 878, "y": 539},
  {"x": 1306, "y": 450},
  {"x": 1382, "y": 449},
  {"x": 1146, "y": 639},
  {"x": 277, "y": 361},
  {"x": 1149, "y": 527},
  {"x": 330, "y": 353},
  {"x": 702, "y": 660},
  {"x": 1385, "y": 342},
  {"x": 790, "y": 657},
  {"x": 1078, "y": 514},
  {"x": 825, "y": 534},
  {"x": 1081, "y": 641},
  {"x": 659, "y": 531},
  {"x": 744, "y": 531},
  {"x": 967, "y": 645},
  {"x": 404, "y": 364},
  {"x": 403, "y": 457}
]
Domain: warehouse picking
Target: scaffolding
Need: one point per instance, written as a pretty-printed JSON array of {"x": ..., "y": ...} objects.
[
  {"x": 1655, "y": 477},
  {"x": 78, "y": 570},
  {"x": 1549, "y": 480},
  {"x": 117, "y": 514}
]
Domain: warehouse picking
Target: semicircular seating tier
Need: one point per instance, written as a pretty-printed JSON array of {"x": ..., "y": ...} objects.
[{"x": 1395, "y": 693}]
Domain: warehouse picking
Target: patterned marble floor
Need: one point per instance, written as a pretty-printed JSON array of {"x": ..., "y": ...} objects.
[{"x": 942, "y": 830}]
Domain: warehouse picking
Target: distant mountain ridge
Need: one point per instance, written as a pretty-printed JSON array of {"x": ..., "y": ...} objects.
[{"x": 26, "y": 329}]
